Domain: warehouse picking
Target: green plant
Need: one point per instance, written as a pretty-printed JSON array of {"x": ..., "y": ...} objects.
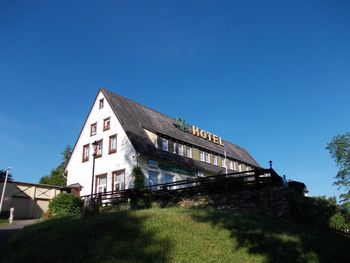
[
  {"x": 65, "y": 204},
  {"x": 139, "y": 177}
]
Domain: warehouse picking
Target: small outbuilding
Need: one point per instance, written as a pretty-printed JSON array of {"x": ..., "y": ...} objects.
[{"x": 28, "y": 199}]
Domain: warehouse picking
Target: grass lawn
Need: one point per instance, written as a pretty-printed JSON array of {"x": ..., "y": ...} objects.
[
  {"x": 173, "y": 235},
  {"x": 4, "y": 221}
]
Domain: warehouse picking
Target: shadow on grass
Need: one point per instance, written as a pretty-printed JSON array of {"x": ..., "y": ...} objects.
[
  {"x": 112, "y": 237},
  {"x": 275, "y": 239}
]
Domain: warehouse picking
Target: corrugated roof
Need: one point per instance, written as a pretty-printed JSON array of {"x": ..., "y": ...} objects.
[{"x": 135, "y": 117}]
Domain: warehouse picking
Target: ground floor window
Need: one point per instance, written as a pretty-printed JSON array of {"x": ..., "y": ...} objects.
[
  {"x": 101, "y": 183},
  {"x": 118, "y": 180},
  {"x": 152, "y": 178},
  {"x": 168, "y": 178}
]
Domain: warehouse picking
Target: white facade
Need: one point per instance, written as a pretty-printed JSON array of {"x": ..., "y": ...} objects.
[{"x": 124, "y": 159}]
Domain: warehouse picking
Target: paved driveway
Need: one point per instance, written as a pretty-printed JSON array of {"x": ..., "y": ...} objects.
[{"x": 8, "y": 230}]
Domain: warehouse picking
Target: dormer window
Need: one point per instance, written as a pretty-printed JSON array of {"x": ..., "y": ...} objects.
[
  {"x": 106, "y": 124},
  {"x": 101, "y": 103},
  {"x": 93, "y": 129}
]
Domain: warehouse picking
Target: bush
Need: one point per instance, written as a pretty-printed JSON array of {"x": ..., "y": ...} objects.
[
  {"x": 65, "y": 204},
  {"x": 139, "y": 177}
]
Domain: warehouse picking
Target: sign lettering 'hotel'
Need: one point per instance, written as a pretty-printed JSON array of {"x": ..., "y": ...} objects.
[{"x": 183, "y": 126}]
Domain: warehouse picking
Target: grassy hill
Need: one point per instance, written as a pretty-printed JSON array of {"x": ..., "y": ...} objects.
[{"x": 173, "y": 235}]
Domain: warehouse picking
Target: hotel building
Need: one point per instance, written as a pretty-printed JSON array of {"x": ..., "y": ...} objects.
[{"x": 127, "y": 134}]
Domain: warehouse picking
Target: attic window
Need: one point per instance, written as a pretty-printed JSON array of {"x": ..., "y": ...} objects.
[{"x": 101, "y": 103}]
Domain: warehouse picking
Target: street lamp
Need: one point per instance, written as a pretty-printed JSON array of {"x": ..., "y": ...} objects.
[
  {"x": 94, "y": 145},
  {"x": 4, "y": 187}
]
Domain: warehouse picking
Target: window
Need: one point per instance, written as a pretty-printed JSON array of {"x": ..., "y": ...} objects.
[
  {"x": 99, "y": 148},
  {"x": 93, "y": 129},
  {"x": 152, "y": 178},
  {"x": 152, "y": 163},
  {"x": 207, "y": 157},
  {"x": 168, "y": 178},
  {"x": 215, "y": 160},
  {"x": 101, "y": 183},
  {"x": 188, "y": 151},
  {"x": 118, "y": 180},
  {"x": 201, "y": 155},
  {"x": 239, "y": 168},
  {"x": 180, "y": 149},
  {"x": 235, "y": 166},
  {"x": 174, "y": 147},
  {"x": 113, "y": 143},
  {"x": 231, "y": 165},
  {"x": 223, "y": 163},
  {"x": 164, "y": 144},
  {"x": 101, "y": 102},
  {"x": 200, "y": 173},
  {"x": 86, "y": 149},
  {"x": 106, "y": 124}
]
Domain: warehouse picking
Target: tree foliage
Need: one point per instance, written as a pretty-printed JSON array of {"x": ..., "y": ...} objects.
[
  {"x": 3, "y": 175},
  {"x": 56, "y": 177},
  {"x": 339, "y": 148},
  {"x": 139, "y": 177}
]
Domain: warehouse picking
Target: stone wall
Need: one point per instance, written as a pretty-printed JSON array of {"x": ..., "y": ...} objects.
[{"x": 273, "y": 201}]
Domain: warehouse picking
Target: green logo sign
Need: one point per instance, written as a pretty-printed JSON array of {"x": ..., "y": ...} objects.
[{"x": 182, "y": 125}]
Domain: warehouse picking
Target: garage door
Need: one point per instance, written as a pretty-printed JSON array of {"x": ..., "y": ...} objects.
[{"x": 21, "y": 205}]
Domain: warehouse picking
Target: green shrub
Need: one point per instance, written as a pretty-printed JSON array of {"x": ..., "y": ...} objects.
[
  {"x": 65, "y": 204},
  {"x": 139, "y": 177}
]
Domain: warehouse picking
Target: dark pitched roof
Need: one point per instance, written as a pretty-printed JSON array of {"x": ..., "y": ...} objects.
[{"x": 135, "y": 117}]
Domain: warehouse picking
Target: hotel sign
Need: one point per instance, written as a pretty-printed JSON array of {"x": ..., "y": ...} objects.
[{"x": 183, "y": 126}]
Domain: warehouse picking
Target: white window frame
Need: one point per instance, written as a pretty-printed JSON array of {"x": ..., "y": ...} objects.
[
  {"x": 202, "y": 156},
  {"x": 215, "y": 160},
  {"x": 180, "y": 149},
  {"x": 189, "y": 151},
  {"x": 207, "y": 157},
  {"x": 231, "y": 164},
  {"x": 101, "y": 188},
  {"x": 165, "y": 144},
  {"x": 223, "y": 162}
]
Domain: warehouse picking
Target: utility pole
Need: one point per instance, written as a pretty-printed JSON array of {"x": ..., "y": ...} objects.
[{"x": 4, "y": 188}]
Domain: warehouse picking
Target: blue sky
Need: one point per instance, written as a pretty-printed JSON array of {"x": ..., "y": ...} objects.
[{"x": 271, "y": 76}]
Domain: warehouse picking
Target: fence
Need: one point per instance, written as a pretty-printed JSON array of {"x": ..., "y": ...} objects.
[{"x": 197, "y": 186}]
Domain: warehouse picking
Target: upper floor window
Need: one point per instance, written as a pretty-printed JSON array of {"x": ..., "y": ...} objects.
[
  {"x": 101, "y": 104},
  {"x": 113, "y": 143},
  {"x": 106, "y": 124},
  {"x": 188, "y": 151},
  {"x": 231, "y": 165},
  {"x": 165, "y": 145},
  {"x": 201, "y": 156},
  {"x": 93, "y": 129},
  {"x": 180, "y": 149},
  {"x": 174, "y": 147},
  {"x": 99, "y": 148},
  {"x": 86, "y": 149},
  {"x": 207, "y": 157},
  {"x": 239, "y": 168},
  {"x": 235, "y": 166},
  {"x": 223, "y": 163},
  {"x": 215, "y": 160}
]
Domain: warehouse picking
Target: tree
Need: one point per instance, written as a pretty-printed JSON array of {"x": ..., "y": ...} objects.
[
  {"x": 3, "y": 175},
  {"x": 56, "y": 177},
  {"x": 339, "y": 148}
]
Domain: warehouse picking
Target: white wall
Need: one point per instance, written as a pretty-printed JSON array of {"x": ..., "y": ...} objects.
[{"x": 81, "y": 172}]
